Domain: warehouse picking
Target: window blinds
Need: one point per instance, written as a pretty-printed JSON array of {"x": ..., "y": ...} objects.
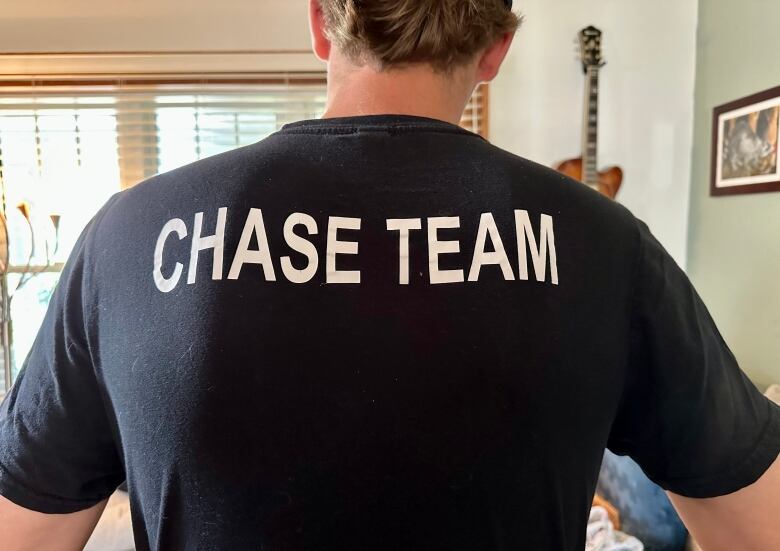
[
  {"x": 475, "y": 116},
  {"x": 131, "y": 129}
]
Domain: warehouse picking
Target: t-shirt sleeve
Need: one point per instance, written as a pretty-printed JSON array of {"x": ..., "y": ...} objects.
[
  {"x": 57, "y": 451},
  {"x": 689, "y": 416}
]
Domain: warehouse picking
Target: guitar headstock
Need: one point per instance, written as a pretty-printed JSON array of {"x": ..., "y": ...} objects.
[{"x": 590, "y": 48}]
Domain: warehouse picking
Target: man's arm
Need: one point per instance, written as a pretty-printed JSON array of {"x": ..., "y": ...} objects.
[
  {"x": 25, "y": 530},
  {"x": 746, "y": 519}
]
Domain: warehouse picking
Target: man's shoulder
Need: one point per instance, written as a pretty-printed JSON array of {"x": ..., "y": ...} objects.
[
  {"x": 220, "y": 168},
  {"x": 529, "y": 182},
  {"x": 555, "y": 188}
]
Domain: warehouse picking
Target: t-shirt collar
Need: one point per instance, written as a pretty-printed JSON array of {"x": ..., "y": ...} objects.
[{"x": 390, "y": 121}]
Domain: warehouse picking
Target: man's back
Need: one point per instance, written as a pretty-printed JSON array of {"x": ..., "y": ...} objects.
[
  {"x": 375, "y": 414},
  {"x": 398, "y": 337}
]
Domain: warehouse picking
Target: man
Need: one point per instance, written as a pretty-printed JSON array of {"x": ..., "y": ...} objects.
[{"x": 378, "y": 331}]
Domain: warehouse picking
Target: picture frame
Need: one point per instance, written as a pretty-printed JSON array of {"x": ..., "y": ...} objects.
[{"x": 745, "y": 148}]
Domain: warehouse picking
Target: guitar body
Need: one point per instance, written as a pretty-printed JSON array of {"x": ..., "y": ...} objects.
[{"x": 609, "y": 180}]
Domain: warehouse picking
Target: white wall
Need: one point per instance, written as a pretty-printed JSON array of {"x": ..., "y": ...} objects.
[
  {"x": 647, "y": 91},
  {"x": 735, "y": 241}
]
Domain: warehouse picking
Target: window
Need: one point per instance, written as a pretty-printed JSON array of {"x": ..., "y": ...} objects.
[{"x": 66, "y": 147}]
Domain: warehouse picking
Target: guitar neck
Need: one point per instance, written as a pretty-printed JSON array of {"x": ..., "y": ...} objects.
[{"x": 590, "y": 135}]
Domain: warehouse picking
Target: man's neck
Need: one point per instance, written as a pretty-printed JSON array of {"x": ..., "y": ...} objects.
[{"x": 362, "y": 90}]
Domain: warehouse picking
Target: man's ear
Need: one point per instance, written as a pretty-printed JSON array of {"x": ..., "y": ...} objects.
[
  {"x": 492, "y": 58},
  {"x": 319, "y": 39}
]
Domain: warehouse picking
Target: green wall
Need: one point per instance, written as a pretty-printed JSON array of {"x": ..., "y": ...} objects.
[{"x": 734, "y": 242}]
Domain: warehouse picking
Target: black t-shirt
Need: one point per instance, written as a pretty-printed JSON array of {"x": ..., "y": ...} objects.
[{"x": 375, "y": 332}]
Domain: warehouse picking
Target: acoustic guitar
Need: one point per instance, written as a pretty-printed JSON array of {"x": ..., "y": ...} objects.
[{"x": 585, "y": 168}]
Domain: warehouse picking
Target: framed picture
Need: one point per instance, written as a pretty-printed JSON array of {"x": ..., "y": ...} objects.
[{"x": 745, "y": 145}]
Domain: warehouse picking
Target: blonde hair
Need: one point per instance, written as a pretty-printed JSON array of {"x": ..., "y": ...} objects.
[{"x": 442, "y": 33}]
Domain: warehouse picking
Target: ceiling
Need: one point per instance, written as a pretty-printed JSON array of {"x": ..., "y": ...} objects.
[{"x": 152, "y": 25}]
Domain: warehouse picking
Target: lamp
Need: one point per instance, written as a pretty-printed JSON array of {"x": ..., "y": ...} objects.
[{"x": 27, "y": 273}]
